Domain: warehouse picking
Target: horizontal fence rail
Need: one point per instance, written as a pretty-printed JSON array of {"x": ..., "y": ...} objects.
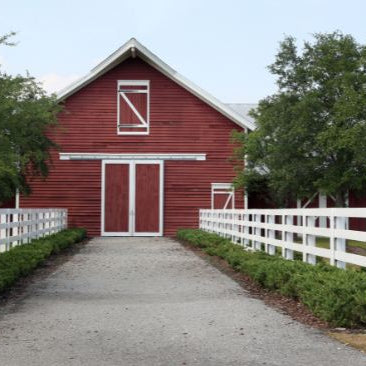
[
  {"x": 20, "y": 226},
  {"x": 287, "y": 231}
]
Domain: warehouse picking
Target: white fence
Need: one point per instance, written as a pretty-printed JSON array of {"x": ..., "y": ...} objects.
[
  {"x": 20, "y": 226},
  {"x": 291, "y": 230}
]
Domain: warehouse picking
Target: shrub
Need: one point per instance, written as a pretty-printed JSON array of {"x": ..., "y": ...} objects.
[
  {"x": 23, "y": 259},
  {"x": 334, "y": 295}
]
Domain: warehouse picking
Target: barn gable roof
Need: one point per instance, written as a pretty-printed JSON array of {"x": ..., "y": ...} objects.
[
  {"x": 244, "y": 109},
  {"x": 134, "y": 48}
]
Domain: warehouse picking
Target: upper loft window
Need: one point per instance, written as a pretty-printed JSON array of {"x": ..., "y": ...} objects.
[{"x": 133, "y": 107}]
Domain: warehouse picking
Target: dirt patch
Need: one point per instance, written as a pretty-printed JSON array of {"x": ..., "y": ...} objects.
[
  {"x": 356, "y": 340},
  {"x": 18, "y": 290}
]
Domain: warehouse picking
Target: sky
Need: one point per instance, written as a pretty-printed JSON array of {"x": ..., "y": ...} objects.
[{"x": 222, "y": 46}]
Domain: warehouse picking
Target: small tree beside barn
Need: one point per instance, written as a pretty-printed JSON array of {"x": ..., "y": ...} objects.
[
  {"x": 311, "y": 134},
  {"x": 26, "y": 113}
]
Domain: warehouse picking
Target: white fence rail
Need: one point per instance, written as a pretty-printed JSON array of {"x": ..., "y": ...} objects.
[
  {"x": 291, "y": 230},
  {"x": 20, "y": 226}
]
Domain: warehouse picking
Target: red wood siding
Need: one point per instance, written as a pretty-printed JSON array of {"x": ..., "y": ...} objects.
[
  {"x": 220, "y": 201},
  {"x": 357, "y": 200},
  {"x": 179, "y": 122},
  {"x": 147, "y": 198},
  {"x": 8, "y": 204},
  {"x": 116, "y": 204},
  {"x": 127, "y": 116}
]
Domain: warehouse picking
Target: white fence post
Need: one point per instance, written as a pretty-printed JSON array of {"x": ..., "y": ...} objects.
[
  {"x": 15, "y": 230},
  {"x": 283, "y": 235},
  {"x": 232, "y": 226},
  {"x": 257, "y": 231},
  {"x": 340, "y": 243},
  {"x": 289, "y": 237},
  {"x": 235, "y": 218},
  {"x": 246, "y": 230},
  {"x": 24, "y": 227},
  {"x": 322, "y": 204},
  {"x": 3, "y": 232},
  {"x": 270, "y": 249},
  {"x": 48, "y": 223},
  {"x": 207, "y": 220},
  {"x": 331, "y": 239},
  {"x": 308, "y": 239}
]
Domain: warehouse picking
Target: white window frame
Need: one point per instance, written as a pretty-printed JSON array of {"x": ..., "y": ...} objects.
[
  {"x": 144, "y": 124},
  {"x": 223, "y": 188}
]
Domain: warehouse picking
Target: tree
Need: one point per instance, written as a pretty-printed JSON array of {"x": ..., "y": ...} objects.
[
  {"x": 311, "y": 134},
  {"x": 26, "y": 113}
]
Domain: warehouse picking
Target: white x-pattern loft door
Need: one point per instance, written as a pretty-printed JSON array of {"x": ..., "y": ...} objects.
[{"x": 133, "y": 107}]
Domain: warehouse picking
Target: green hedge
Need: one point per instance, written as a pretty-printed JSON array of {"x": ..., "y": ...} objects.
[
  {"x": 334, "y": 295},
  {"x": 23, "y": 259}
]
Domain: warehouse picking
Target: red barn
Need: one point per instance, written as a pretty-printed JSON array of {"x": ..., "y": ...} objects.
[{"x": 142, "y": 149}]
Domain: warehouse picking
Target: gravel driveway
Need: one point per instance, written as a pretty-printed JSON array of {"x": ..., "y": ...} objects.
[{"x": 145, "y": 301}]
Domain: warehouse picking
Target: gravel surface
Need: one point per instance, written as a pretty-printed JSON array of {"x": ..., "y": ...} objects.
[{"x": 149, "y": 301}]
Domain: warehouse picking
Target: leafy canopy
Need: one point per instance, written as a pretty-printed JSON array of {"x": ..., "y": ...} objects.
[
  {"x": 311, "y": 134},
  {"x": 26, "y": 113}
]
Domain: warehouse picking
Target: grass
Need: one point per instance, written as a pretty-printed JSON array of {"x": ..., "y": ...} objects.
[
  {"x": 333, "y": 295},
  {"x": 21, "y": 260},
  {"x": 351, "y": 245},
  {"x": 325, "y": 243}
]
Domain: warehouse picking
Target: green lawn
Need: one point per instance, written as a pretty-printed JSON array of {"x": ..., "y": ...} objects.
[
  {"x": 352, "y": 246},
  {"x": 325, "y": 243}
]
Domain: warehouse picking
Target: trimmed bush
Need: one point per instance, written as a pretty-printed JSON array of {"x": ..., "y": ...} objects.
[
  {"x": 334, "y": 295},
  {"x": 23, "y": 259}
]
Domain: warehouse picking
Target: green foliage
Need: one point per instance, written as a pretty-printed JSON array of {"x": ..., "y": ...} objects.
[
  {"x": 334, "y": 295},
  {"x": 311, "y": 134},
  {"x": 26, "y": 114},
  {"x": 23, "y": 259}
]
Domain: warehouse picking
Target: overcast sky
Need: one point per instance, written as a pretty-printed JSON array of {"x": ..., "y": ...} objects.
[{"x": 223, "y": 46}]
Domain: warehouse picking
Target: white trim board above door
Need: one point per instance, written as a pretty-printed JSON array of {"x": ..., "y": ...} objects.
[
  {"x": 131, "y": 231},
  {"x": 137, "y": 156}
]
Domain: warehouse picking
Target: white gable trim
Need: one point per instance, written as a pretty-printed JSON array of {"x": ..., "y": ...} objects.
[{"x": 133, "y": 48}]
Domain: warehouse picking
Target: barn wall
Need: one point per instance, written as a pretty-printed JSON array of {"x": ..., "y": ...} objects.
[
  {"x": 179, "y": 122},
  {"x": 356, "y": 200},
  {"x": 8, "y": 204}
]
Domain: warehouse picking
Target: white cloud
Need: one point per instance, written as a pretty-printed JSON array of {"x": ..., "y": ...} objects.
[{"x": 55, "y": 82}]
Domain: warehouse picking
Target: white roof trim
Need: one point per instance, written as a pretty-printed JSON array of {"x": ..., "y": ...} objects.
[
  {"x": 124, "y": 52},
  {"x": 103, "y": 156}
]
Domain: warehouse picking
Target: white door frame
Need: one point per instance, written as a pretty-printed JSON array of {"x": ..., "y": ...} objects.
[{"x": 132, "y": 197}]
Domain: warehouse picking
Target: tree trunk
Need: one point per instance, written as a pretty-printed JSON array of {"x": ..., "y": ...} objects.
[{"x": 340, "y": 199}]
